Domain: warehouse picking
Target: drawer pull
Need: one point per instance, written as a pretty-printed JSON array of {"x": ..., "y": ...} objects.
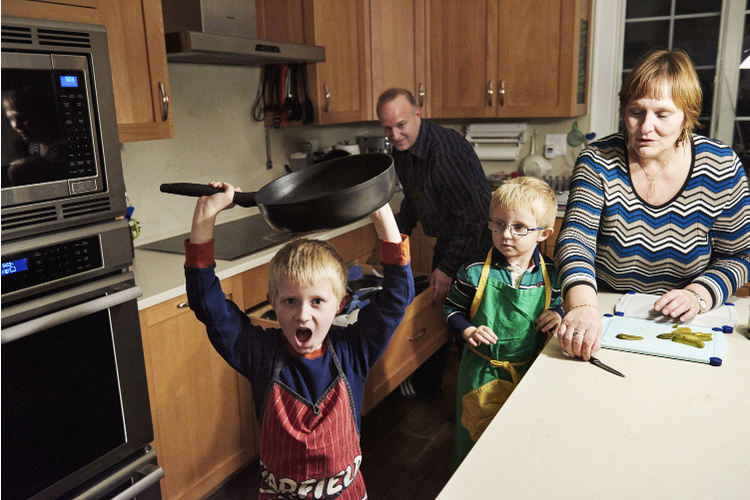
[
  {"x": 183, "y": 305},
  {"x": 422, "y": 331}
]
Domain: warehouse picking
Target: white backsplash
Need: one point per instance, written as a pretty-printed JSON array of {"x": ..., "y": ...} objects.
[{"x": 216, "y": 139}]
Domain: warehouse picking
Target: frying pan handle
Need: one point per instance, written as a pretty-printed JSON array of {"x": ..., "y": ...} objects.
[{"x": 198, "y": 190}]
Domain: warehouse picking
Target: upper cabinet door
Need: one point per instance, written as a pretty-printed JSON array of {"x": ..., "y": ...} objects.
[
  {"x": 542, "y": 57},
  {"x": 135, "y": 30},
  {"x": 462, "y": 47},
  {"x": 135, "y": 34},
  {"x": 339, "y": 86},
  {"x": 398, "y": 50},
  {"x": 508, "y": 58}
]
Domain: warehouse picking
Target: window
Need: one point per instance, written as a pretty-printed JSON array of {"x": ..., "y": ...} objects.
[{"x": 712, "y": 32}]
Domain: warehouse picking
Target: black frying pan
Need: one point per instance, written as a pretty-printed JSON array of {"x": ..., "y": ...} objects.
[{"x": 327, "y": 195}]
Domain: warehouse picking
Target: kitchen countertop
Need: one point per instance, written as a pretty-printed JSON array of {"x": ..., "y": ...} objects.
[
  {"x": 669, "y": 429},
  {"x": 161, "y": 275}
]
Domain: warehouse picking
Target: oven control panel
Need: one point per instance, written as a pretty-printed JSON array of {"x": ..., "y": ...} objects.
[
  {"x": 55, "y": 261},
  {"x": 47, "y": 264}
]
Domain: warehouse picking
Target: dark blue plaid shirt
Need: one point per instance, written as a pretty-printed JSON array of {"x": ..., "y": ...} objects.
[{"x": 447, "y": 191}]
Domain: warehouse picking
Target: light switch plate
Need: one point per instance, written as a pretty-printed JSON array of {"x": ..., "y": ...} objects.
[{"x": 558, "y": 142}]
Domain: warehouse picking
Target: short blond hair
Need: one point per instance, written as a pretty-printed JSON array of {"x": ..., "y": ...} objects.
[
  {"x": 307, "y": 262},
  {"x": 664, "y": 74},
  {"x": 527, "y": 193}
]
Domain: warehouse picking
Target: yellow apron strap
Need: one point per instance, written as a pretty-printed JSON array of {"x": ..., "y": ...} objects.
[
  {"x": 480, "y": 287},
  {"x": 547, "y": 287},
  {"x": 507, "y": 366},
  {"x": 483, "y": 282}
]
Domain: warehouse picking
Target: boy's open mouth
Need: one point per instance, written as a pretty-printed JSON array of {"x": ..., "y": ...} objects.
[{"x": 303, "y": 335}]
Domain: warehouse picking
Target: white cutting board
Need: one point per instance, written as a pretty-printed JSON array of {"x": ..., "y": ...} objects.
[{"x": 649, "y": 329}]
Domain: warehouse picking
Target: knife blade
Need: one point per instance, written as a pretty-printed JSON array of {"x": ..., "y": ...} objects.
[{"x": 601, "y": 365}]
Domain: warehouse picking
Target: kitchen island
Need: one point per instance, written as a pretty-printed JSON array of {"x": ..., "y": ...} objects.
[{"x": 669, "y": 429}]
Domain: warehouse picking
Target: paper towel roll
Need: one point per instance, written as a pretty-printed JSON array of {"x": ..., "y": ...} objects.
[{"x": 497, "y": 152}]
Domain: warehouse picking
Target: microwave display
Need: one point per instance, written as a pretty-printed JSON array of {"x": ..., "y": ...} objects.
[{"x": 46, "y": 127}]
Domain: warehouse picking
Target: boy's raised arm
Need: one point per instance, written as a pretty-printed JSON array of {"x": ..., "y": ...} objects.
[
  {"x": 385, "y": 224},
  {"x": 206, "y": 210}
]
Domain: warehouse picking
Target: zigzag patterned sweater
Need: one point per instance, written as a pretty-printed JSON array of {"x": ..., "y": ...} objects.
[{"x": 616, "y": 241}]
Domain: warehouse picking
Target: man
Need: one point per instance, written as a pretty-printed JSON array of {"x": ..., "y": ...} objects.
[{"x": 447, "y": 191}]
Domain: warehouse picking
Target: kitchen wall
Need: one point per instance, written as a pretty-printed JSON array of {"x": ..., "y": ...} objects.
[{"x": 216, "y": 139}]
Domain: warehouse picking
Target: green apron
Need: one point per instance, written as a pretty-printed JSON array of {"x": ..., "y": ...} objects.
[{"x": 489, "y": 373}]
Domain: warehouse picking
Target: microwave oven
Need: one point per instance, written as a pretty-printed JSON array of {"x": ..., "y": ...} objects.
[{"x": 61, "y": 163}]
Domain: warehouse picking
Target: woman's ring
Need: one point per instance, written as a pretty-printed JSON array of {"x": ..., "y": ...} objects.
[{"x": 576, "y": 332}]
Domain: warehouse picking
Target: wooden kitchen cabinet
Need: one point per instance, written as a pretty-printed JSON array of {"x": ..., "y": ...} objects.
[
  {"x": 508, "y": 58},
  {"x": 135, "y": 34},
  {"x": 205, "y": 427},
  {"x": 339, "y": 86},
  {"x": 371, "y": 45},
  {"x": 398, "y": 50}
]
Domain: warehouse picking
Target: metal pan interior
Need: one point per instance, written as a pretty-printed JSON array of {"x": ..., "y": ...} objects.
[{"x": 328, "y": 195}]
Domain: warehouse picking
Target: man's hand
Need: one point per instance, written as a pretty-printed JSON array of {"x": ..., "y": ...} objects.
[{"x": 441, "y": 285}]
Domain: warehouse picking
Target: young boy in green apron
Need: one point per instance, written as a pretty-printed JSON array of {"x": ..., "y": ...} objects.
[{"x": 504, "y": 306}]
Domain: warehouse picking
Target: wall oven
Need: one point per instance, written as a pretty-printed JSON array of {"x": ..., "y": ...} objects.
[
  {"x": 60, "y": 145},
  {"x": 76, "y": 420}
]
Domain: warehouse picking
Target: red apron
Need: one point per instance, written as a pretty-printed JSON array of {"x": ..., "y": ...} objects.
[{"x": 310, "y": 450}]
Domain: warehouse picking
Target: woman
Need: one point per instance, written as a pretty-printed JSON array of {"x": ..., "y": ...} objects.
[{"x": 653, "y": 209}]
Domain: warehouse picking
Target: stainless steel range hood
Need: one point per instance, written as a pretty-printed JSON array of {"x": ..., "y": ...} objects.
[{"x": 211, "y": 32}]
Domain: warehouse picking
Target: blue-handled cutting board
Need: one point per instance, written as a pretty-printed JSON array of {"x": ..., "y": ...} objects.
[{"x": 649, "y": 329}]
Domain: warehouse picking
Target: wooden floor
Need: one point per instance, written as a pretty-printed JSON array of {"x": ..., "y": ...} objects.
[{"x": 407, "y": 446}]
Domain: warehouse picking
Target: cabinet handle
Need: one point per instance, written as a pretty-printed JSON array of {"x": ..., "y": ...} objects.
[
  {"x": 164, "y": 102},
  {"x": 183, "y": 305},
  {"x": 422, "y": 331},
  {"x": 328, "y": 98},
  {"x": 421, "y": 94},
  {"x": 490, "y": 91},
  {"x": 501, "y": 93}
]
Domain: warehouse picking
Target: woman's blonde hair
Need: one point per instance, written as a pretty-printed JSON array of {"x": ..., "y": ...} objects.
[
  {"x": 666, "y": 74},
  {"x": 307, "y": 262},
  {"x": 527, "y": 193}
]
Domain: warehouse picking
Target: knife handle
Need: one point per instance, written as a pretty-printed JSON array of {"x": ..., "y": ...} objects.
[{"x": 198, "y": 190}]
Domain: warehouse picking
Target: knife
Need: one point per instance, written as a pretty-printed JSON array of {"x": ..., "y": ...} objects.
[{"x": 598, "y": 363}]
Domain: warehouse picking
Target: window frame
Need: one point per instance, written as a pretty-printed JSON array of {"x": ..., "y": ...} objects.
[{"x": 606, "y": 70}]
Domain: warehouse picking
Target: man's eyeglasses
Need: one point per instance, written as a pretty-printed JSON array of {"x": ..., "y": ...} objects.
[{"x": 515, "y": 229}]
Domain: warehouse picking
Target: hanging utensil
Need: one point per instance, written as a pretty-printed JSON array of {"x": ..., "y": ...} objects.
[
  {"x": 308, "y": 112},
  {"x": 259, "y": 106},
  {"x": 295, "y": 111},
  {"x": 575, "y": 137}
]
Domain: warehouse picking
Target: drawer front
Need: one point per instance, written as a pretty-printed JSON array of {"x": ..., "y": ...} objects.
[{"x": 412, "y": 344}]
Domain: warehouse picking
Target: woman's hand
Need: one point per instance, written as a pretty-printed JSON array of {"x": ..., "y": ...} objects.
[
  {"x": 681, "y": 304},
  {"x": 580, "y": 333},
  {"x": 206, "y": 210},
  {"x": 476, "y": 335}
]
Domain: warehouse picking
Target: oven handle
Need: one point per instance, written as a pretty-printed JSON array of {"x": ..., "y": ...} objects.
[
  {"x": 144, "y": 466},
  {"x": 42, "y": 323}
]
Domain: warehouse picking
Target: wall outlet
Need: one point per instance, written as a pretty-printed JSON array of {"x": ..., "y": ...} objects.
[{"x": 558, "y": 143}]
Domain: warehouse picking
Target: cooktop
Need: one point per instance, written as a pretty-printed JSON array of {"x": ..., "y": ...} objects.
[{"x": 232, "y": 240}]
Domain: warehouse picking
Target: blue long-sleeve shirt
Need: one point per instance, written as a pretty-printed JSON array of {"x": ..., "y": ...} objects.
[
  {"x": 613, "y": 239},
  {"x": 252, "y": 350}
]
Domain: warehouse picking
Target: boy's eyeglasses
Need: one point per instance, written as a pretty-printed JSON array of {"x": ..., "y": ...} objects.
[{"x": 515, "y": 229}]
